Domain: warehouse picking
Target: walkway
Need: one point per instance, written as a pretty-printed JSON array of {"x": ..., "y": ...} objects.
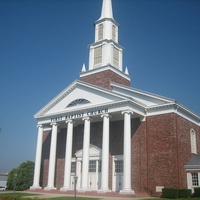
[{"x": 102, "y": 196}]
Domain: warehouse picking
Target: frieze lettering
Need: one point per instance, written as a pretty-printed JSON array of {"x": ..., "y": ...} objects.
[{"x": 80, "y": 115}]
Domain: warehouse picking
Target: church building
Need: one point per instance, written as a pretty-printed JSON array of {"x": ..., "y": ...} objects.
[{"x": 112, "y": 137}]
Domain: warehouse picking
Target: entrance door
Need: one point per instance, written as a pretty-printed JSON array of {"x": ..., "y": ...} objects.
[
  {"x": 94, "y": 170},
  {"x": 93, "y": 174},
  {"x": 117, "y": 180},
  {"x": 93, "y": 181}
]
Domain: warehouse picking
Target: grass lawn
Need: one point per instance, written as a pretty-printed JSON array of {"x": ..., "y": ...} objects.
[
  {"x": 18, "y": 195},
  {"x": 9, "y": 196}
]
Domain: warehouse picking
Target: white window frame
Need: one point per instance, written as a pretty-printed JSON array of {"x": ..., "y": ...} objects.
[
  {"x": 195, "y": 179},
  {"x": 193, "y": 141}
]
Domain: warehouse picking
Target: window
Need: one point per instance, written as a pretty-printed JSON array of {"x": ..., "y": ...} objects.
[
  {"x": 113, "y": 33},
  {"x": 77, "y": 102},
  {"x": 116, "y": 57},
  {"x": 119, "y": 166},
  {"x": 92, "y": 166},
  {"x": 97, "y": 55},
  {"x": 100, "y": 32},
  {"x": 193, "y": 141},
  {"x": 73, "y": 167},
  {"x": 195, "y": 180}
]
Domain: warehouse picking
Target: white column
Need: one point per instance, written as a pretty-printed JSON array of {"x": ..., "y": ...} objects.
[
  {"x": 36, "y": 180},
  {"x": 68, "y": 156},
  {"x": 86, "y": 149},
  {"x": 127, "y": 153},
  {"x": 52, "y": 158},
  {"x": 105, "y": 155}
]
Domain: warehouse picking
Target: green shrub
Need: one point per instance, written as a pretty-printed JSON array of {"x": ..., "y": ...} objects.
[
  {"x": 21, "y": 178},
  {"x": 197, "y": 192},
  {"x": 170, "y": 193},
  {"x": 185, "y": 193}
]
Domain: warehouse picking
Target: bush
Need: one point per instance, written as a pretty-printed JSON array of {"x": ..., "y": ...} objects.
[
  {"x": 185, "y": 193},
  {"x": 170, "y": 193},
  {"x": 197, "y": 192},
  {"x": 21, "y": 177}
]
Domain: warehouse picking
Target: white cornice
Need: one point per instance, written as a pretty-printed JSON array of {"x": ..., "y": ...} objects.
[
  {"x": 174, "y": 108},
  {"x": 141, "y": 110},
  {"x": 99, "y": 43},
  {"x": 106, "y": 19}
]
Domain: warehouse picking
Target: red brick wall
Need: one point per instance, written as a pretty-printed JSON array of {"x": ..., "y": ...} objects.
[
  {"x": 168, "y": 150},
  {"x": 45, "y": 158},
  {"x": 105, "y": 78},
  {"x": 161, "y": 152},
  {"x": 139, "y": 156},
  {"x": 183, "y": 131},
  {"x": 60, "y": 160}
]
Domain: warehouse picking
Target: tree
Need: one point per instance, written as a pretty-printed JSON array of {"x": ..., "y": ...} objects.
[{"x": 23, "y": 175}]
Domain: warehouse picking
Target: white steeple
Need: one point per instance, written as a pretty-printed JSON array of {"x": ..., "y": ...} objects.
[
  {"x": 106, "y": 11},
  {"x": 105, "y": 53},
  {"x": 106, "y": 50}
]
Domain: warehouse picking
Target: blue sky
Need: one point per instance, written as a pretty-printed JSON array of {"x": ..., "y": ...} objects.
[{"x": 43, "y": 44}]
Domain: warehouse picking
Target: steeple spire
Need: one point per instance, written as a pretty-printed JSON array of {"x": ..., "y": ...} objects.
[{"x": 106, "y": 11}]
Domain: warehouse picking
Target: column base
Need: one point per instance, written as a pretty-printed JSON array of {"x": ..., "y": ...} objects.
[
  {"x": 104, "y": 190},
  {"x": 65, "y": 189},
  {"x": 34, "y": 187},
  {"x": 126, "y": 191},
  {"x": 84, "y": 190},
  {"x": 48, "y": 188}
]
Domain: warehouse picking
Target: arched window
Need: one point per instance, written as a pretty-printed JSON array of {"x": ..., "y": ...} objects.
[
  {"x": 77, "y": 102},
  {"x": 193, "y": 141},
  {"x": 113, "y": 33},
  {"x": 100, "y": 32}
]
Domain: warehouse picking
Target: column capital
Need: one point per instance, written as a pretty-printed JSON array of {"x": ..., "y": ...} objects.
[
  {"x": 106, "y": 115},
  {"x": 54, "y": 123},
  {"x": 39, "y": 126},
  {"x": 69, "y": 121},
  {"x": 127, "y": 111},
  {"x": 86, "y": 118}
]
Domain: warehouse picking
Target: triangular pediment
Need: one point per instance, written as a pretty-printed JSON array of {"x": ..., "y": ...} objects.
[
  {"x": 77, "y": 96},
  {"x": 94, "y": 151}
]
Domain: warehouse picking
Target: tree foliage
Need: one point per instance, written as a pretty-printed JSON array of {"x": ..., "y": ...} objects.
[{"x": 21, "y": 177}]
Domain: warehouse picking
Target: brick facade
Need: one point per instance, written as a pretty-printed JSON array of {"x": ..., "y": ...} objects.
[
  {"x": 105, "y": 78},
  {"x": 160, "y": 149}
]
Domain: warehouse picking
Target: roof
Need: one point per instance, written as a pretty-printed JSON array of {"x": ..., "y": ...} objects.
[{"x": 194, "y": 163}]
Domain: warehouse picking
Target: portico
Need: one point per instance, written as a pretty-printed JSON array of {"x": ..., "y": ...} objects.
[{"x": 89, "y": 167}]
